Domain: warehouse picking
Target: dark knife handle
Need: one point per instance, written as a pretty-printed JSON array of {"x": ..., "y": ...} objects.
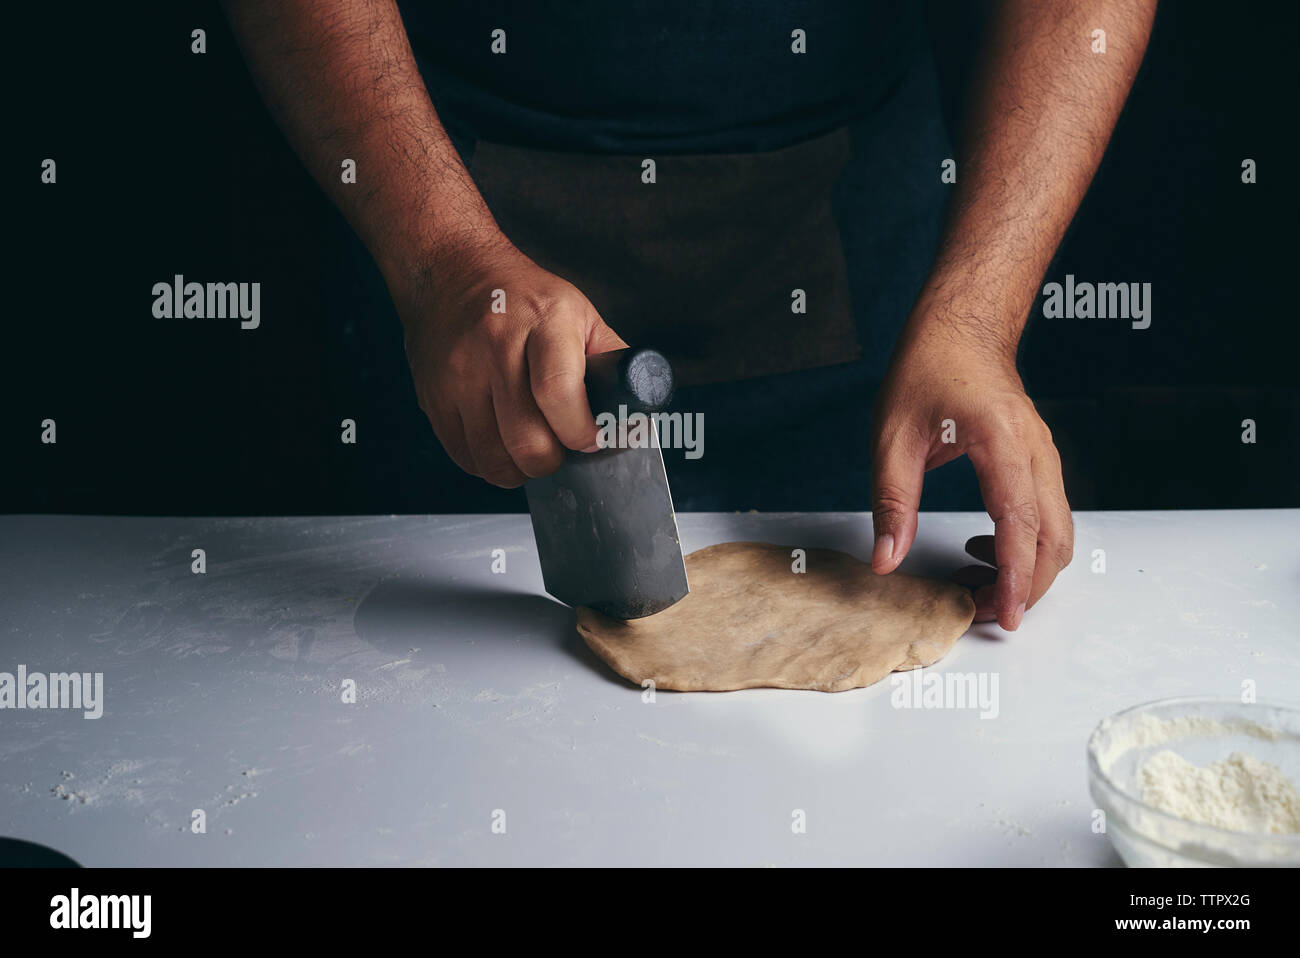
[{"x": 639, "y": 378}]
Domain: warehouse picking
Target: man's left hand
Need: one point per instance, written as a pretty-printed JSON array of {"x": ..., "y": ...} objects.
[{"x": 944, "y": 397}]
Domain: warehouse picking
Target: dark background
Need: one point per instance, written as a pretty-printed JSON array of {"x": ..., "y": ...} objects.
[{"x": 168, "y": 163}]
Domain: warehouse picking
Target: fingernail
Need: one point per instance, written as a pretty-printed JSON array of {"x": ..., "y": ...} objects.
[
  {"x": 1019, "y": 616},
  {"x": 594, "y": 447},
  {"x": 884, "y": 550}
]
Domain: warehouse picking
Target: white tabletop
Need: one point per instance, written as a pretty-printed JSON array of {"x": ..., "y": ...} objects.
[{"x": 223, "y": 693}]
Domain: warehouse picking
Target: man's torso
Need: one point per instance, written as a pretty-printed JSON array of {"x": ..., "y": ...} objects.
[{"x": 672, "y": 76}]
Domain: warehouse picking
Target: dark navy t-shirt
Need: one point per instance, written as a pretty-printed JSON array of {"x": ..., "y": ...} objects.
[{"x": 673, "y": 76}]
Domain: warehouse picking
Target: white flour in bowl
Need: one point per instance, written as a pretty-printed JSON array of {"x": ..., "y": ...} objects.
[{"x": 1240, "y": 793}]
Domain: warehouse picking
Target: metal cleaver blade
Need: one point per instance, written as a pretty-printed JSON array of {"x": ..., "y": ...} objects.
[{"x": 604, "y": 523}]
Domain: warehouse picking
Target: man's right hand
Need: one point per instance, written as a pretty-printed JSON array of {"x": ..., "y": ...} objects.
[{"x": 503, "y": 390}]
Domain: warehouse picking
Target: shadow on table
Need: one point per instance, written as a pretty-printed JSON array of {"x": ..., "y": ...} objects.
[
  {"x": 404, "y": 613},
  {"x": 1112, "y": 859}
]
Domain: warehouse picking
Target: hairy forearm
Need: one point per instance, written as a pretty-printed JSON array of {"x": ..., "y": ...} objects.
[
  {"x": 341, "y": 81},
  {"x": 1040, "y": 116}
]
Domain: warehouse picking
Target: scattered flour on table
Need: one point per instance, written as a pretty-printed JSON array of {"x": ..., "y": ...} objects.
[{"x": 1240, "y": 793}]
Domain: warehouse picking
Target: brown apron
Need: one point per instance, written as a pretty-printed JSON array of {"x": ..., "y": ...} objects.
[{"x": 701, "y": 264}]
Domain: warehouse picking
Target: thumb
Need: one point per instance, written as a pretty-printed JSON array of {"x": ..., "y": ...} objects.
[
  {"x": 602, "y": 339},
  {"x": 897, "y": 474}
]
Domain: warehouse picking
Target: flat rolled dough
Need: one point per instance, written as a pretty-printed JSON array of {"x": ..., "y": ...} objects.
[{"x": 751, "y": 622}]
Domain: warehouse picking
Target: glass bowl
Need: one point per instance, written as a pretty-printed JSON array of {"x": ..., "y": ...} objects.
[{"x": 1201, "y": 730}]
